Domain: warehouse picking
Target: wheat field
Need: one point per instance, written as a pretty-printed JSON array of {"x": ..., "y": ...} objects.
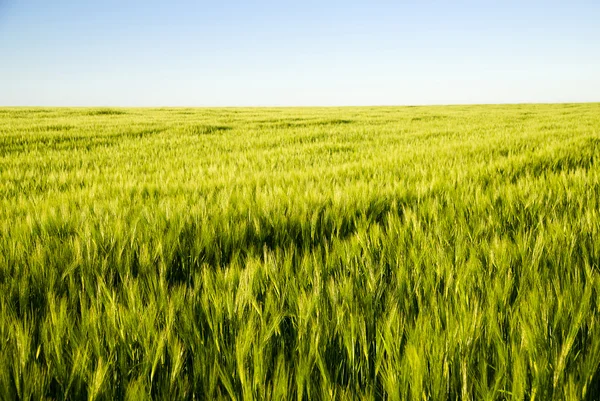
[{"x": 383, "y": 253}]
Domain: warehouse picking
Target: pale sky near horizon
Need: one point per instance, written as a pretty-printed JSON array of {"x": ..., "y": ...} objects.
[{"x": 277, "y": 53}]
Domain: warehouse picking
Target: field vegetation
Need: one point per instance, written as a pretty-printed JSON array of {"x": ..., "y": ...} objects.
[{"x": 394, "y": 253}]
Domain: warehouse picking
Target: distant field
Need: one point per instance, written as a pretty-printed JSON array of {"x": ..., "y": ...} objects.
[{"x": 404, "y": 253}]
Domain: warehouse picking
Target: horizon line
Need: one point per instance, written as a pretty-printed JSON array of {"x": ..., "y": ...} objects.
[{"x": 299, "y": 106}]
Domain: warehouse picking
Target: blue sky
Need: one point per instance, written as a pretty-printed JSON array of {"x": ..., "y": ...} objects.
[{"x": 259, "y": 53}]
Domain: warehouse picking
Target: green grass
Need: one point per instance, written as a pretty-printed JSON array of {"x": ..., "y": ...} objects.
[{"x": 340, "y": 253}]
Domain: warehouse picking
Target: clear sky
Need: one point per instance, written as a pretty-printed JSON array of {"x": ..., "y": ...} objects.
[{"x": 238, "y": 53}]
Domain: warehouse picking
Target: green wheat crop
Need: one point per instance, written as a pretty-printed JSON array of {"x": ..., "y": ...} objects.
[{"x": 308, "y": 254}]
